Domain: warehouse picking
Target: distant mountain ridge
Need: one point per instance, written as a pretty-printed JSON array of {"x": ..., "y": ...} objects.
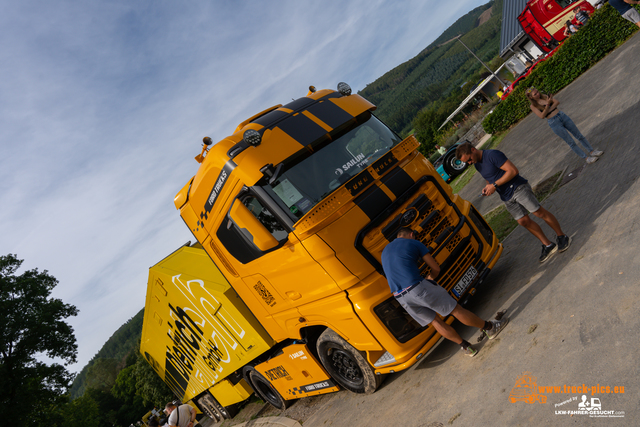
[
  {"x": 124, "y": 340},
  {"x": 438, "y": 70}
]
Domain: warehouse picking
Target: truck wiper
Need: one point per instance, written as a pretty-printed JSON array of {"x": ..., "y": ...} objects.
[
  {"x": 273, "y": 174},
  {"x": 276, "y": 174}
]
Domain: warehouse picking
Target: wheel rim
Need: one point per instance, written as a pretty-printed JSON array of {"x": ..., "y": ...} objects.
[
  {"x": 345, "y": 367},
  {"x": 457, "y": 164}
]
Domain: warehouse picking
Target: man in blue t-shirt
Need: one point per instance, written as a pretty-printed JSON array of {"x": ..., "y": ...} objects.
[
  {"x": 624, "y": 8},
  {"x": 423, "y": 297},
  {"x": 503, "y": 177}
]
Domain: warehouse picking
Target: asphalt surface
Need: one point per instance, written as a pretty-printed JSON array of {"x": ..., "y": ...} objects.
[{"x": 574, "y": 319}]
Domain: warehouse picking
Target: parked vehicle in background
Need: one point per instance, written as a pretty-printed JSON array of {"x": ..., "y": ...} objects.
[
  {"x": 448, "y": 166},
  {"x": 528, "y": 71},
  {"x": 543, "y": 20}
]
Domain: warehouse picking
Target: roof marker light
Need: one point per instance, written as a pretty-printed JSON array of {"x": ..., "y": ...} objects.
[
  {"x": 344, "y": 89},
  {"x": 252, "y": 137}
]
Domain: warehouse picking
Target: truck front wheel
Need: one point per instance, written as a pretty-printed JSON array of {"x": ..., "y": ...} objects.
[
  {"x": 265, "y": 390},
  {"x": 345, "y": 364},
  {"x": 452, "y": 165}
]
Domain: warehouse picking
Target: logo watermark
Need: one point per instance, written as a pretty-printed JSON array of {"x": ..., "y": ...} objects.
[{"x": 526, "y": 389}]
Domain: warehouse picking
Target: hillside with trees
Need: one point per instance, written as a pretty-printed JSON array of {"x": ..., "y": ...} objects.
[
  {"x": 103, "y": 368},
  {"x": 421, "y": 93},
  {"x": 117, "y": 386},
  {"x": 117, "y": 389}
]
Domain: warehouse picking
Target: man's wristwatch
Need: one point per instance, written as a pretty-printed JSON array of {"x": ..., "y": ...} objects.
[{"x": 495, "y": 185}]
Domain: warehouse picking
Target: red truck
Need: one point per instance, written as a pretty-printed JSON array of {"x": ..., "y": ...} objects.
[{"x": 544, "y": 20}]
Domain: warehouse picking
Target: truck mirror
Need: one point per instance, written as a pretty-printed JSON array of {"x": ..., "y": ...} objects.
[{"x": 245, "y": 220}]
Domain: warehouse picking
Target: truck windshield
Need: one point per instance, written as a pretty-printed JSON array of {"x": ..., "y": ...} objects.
[{"x": 312, "y": 174}]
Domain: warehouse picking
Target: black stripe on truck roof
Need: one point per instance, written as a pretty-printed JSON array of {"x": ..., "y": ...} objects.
[
  {"x": 302, "y": 129},
  {"x": 330, "y": 114}
]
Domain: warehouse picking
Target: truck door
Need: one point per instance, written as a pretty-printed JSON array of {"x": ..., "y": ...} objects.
[{"x": 274, "y": 266}]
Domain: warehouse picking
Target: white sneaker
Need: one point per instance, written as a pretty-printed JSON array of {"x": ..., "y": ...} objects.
[
  {"x": 591, "y": 160},
  {"x": 596, "y": 153}
]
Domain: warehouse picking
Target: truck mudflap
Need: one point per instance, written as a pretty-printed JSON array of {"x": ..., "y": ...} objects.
[{"x": 296, "y": 373}]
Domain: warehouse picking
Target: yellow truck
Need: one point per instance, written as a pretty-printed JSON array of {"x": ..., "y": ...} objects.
[{"x": 284, "y": 294}]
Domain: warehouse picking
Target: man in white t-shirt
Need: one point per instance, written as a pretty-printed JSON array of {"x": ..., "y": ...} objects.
[{"x": 180, "y": 416}]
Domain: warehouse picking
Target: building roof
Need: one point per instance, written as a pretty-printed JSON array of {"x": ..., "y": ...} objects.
[
  {"x": 511, "y": 29},
  {"x": 471, "y": 95}
]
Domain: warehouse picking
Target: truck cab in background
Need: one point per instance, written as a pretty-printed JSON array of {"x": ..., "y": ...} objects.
[{"x": 543, "y": 20}]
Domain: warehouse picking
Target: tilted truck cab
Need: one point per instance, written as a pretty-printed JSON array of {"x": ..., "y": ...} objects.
[{"x": 295, "y": 208}]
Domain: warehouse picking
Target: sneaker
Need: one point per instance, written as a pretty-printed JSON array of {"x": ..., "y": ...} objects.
[
  {"x": 547, "y": 252},
  {"x": 591, "y": 160},
  {"x": 563, "y": 243},
  {"x": 470, "y": 351},
  {"x": 596, "y": 153},
  {"x": 498, "y": 326}
]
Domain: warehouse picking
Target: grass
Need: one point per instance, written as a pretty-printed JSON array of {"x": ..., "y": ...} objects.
[
  {"x": 459, "y": 182},
  {"x": 501, "y": 220},
  {"x": 495, "y": 140},
  {"x": 547, "y": 187}
]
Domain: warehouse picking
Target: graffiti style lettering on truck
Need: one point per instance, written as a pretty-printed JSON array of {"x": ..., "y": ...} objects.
[{"x": 277, "y": 373}]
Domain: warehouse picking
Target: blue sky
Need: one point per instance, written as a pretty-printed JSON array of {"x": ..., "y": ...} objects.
[{"x": 103, "y": 106}]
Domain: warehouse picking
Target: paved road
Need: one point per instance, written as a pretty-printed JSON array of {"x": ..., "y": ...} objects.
[{"x": 574, "y": 319}]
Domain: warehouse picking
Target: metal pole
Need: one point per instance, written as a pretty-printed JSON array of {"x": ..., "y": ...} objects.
[{"x": 485, "y": 65}]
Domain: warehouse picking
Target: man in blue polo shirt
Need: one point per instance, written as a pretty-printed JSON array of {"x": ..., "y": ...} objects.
[
  {"x": 624, "y": 8},
  {"x": 503, "y": 177},
  {"x": 423, "y": 297}
]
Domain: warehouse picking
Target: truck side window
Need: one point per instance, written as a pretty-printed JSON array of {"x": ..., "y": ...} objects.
[
  {"x": 236, "y": 233},
  {"x": 265, "y": 217},
  {"x": 564, "y": 3}
]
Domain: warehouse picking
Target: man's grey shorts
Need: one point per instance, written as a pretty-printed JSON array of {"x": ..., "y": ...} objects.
[
  {"x": 424, "y": 300},
  {"x": 522, "y": 202},
  {"x": 632, "y": 15}
]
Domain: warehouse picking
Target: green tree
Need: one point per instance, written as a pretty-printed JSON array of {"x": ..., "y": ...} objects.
[
  {"x": 150, "y": 386},
  {"x": 138, "y": 389},
  {"x": 81, "y": 412},
  {"x": 426, "y": 126},
  {"x": 102, "y": 374},
  {"x": 34, "y": 327}
]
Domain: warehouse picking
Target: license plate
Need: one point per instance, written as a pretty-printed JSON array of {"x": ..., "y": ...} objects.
[{"x": 465, "y": 281}]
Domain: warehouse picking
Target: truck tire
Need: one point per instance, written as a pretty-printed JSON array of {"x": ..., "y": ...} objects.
[
  {"x": 264, "y": 389},
  {"x": 231, "y": 410},
  {"x": 213, "y": 409},
  {"x": 452, "y": 165},
  {"x": 345, "y": 364}
]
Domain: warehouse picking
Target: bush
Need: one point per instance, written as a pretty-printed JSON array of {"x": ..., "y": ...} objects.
[{"x": 606, "y": 30}]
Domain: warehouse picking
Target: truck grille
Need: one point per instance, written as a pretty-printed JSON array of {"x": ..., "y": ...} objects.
[
  {"x": 451, "y": 276},
  {"x": 439, "y": 225}
]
